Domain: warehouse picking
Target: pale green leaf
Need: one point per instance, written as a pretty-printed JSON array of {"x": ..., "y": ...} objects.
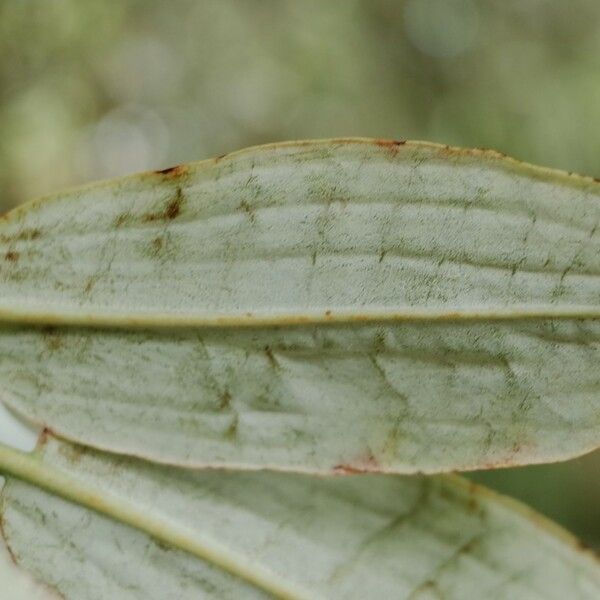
[
  {"x": 345, "y": 304},
  {"x": 261, "y": 534}
]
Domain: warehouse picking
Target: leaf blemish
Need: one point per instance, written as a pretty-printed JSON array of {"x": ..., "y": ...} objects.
[
  {"x": 25, "y": 235},
  {"x": 89, "y": 285},
  {"x": 233, "y": 426},
  {"x": 11, "y": 553},
  {"x": 121, "y": 219},
  {"x": 370, "y": 465},
  {"x": 52, "y": 339},
  {"x": 11, "y": 256},
  {"x": 243, "y": 205},
  {"x": 157, "y": 244},
  {"x": 271, "y": 357},
  {"x": 391, "y": 144},
  {"x": 379, "y": 342},
  {"x": 171, "y": 211},
  {"x": 225, "y": 400},
  {"x": 174, "y": 207},
  {"x": 175, "y": 171}
]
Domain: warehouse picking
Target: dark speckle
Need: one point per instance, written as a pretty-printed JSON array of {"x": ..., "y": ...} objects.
[
  {"x": 271, "y": 357},
  {"x": 11, "y": 256},
  {"x": 52, "y": 338},
  {"x": 379, "y": 342},
  {"x": 162, "y": 545},
  {"x": 121, "y": 219},
  {"x": 225, "y": 400},
  {"x": 248, "y": 210},
  {"x": 157, "y": 244},
  {"x": 233, "y": 427},
  {"x": 89, "y": 285}
]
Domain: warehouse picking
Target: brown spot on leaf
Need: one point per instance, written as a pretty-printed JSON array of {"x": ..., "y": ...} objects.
[
  {"x": 347, "y": 470},
  {"x": 11, "y": 256},
  {"x": 369, "y": 465},
  {"x": 391, "y": 144},
  {"x": 175, "y": 171},
  {"x": 45, "y": 433},
  {"x": 328, "y": 313},
  {"x": 171, "y": 210},
  {"x": 174, "y": 207}
]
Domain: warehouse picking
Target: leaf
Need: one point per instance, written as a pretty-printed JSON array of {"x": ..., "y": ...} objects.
[
  {"x": 286, "y": 535},
  {"x": 316, "y": 306}
]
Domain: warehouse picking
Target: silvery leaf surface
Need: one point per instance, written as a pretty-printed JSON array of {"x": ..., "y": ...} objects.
[
  {"x": 322, "y": 306},
  {"x": 135, "y": 530}
]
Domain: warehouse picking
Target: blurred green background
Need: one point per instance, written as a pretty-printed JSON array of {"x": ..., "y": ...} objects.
[{"x": 95, "y": 89}]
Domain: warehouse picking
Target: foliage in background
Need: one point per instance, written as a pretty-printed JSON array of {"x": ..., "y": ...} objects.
[{"x": 95, "y": 89}]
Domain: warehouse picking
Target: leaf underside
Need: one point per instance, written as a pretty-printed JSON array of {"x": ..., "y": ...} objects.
[
  {"x": 322, "y": 306},
  {"x": 319, "y": 307},
  {"x": 367, "y": 536}
]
